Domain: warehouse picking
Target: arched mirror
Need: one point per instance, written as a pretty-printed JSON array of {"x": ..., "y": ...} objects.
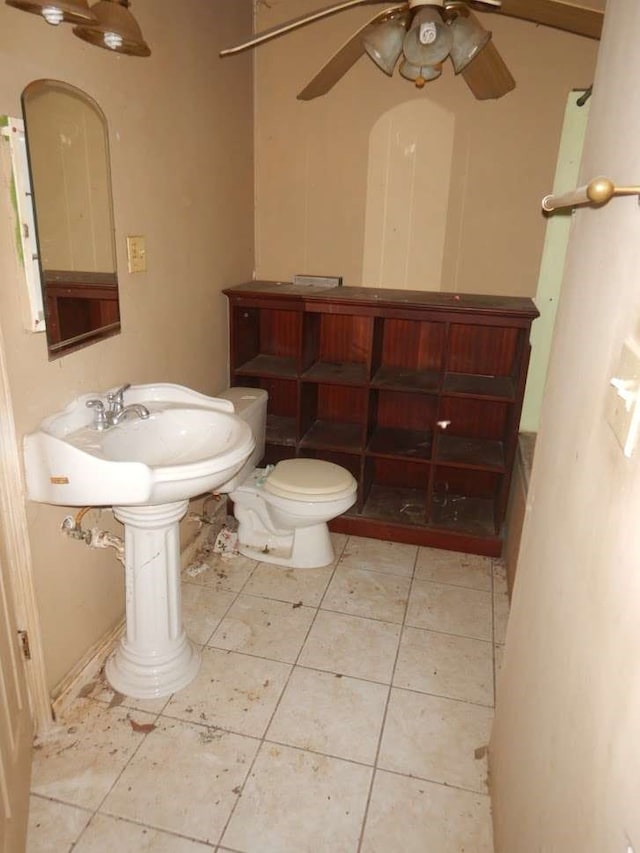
[{"x": 68, "y": 150}]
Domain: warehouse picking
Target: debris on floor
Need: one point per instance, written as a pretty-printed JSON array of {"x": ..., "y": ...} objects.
[
  {"x": 143, "y": 728},
  {"x": 226, "y": 543}
]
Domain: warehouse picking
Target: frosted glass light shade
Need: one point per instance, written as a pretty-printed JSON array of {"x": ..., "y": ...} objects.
[
  {"x": 115, "y": 29},
  {"x": 416, "y": 72},
  {"x": 56, "y": 11},
  {"x": 384, "y": 44},
  {"x": 468, "y": 40},
  {"x": 429, "y": 39}
]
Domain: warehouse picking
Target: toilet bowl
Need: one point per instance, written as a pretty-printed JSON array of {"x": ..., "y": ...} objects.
[{"x": 283, "y": 510}]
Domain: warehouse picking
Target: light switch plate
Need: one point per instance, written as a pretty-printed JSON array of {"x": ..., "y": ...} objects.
[
  {"x": 136, "y": 254},
  {"x": 623, "y": 405}
]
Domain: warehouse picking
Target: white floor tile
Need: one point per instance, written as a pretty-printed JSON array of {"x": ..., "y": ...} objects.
[
  {"x": 230, "y": 573},
  {"x": 338, "y": 540},
  {"x": 101, "y": 690},
  {"x": 469, "y": 570},
  {"x": 202, "y": 610},
  {"x": 106, "y": 833},
  {"x": 500, "y": 586},
  {"x": 378, "y": 555},
  {"x": 498, "y": 657},
  {"x": 450, "y": 609},
  {"x": 351, "y": 645},
  {"x": 304, "y": 585},
  {"x": 79, "y": 762},
  {"x": 365, "y": 593},
  {"x": 231, "y": 691},
  {"x": 500, "y": 618},
  {"x": 422, "y": 817},
  {"x": 335, "y": 715},
  {"x": 54, "y": 827},
  {"x": 299, "y": 802},
  {"x": 445, "y": 665},
  {"x": 271, "y": 629},
  {"x": 184, "y": 779},
  {"x": 438, "y": 739}
]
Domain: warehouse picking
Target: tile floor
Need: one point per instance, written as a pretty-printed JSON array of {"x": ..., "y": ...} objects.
[{"x": 338, "y": 709}]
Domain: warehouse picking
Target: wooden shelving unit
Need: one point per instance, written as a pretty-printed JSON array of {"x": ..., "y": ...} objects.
[{"x": 418, "y": 394}]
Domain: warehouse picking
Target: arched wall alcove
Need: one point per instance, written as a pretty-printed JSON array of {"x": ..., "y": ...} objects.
[{"x": 407, "y": 199}]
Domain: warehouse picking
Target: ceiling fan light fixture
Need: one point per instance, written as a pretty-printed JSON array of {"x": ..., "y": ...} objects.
[
  {"x": 469, "y": 37},
  {"x": 115, "y": 29},
  {"x": 56, "y": 11},
  {"x": 419, "y": 74},
  {"x": 429, "y": 40},
  {"x": 384, "y": 44}
]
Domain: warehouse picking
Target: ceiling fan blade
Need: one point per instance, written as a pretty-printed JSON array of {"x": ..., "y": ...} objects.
[
  {"x": 573, "y": 17},
  {"x": 487, "y": 75},
  {"x": 348, "y": 55},
  {"x": 295, "y": 23}
]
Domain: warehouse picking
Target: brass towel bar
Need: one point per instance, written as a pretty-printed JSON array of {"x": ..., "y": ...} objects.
[{"x": 597, "y": 191}]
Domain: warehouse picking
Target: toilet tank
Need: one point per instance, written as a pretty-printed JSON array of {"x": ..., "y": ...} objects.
[{"x": 250, "y": 404}]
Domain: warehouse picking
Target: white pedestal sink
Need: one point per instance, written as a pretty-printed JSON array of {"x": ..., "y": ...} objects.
[
  {"x": 154, "y": 657},
  {"x": 146, "y": 470}
]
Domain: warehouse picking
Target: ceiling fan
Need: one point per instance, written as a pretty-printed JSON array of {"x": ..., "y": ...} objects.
[{"x": 421, "y": 34}]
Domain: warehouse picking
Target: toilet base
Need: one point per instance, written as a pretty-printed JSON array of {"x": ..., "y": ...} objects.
[{"x": 305, "y": 548}]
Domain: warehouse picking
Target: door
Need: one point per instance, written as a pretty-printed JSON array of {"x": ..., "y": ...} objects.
[{"x": 16, "y": 728}]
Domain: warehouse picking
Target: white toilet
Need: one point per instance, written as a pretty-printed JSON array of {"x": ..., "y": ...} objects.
[{"x": 282, "y": 512}]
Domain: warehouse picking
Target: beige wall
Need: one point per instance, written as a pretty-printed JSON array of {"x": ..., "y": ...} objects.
[
  {"x": 566, "y": 743},
  {"x": 181, "y": 137},
  {"x": 481, "y": 167}
]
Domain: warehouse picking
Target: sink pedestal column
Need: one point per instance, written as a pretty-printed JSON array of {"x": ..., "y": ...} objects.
[{"x": 154, "y": 657}]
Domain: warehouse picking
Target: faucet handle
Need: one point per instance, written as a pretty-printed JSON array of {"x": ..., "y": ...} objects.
[
  {"x": 100, "y": 420},
  {"x": 116, "y": 399}
]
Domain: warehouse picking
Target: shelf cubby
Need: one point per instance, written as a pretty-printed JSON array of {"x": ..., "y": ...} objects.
[
  {"x": 337, "y": 348},
  {"x": 332, "y": 417},
  {"x": 401, "y": 424},
  {"x": 267, "y": 342},
  {"x": 395, "y": 492},
  {"x": 483, "y": 360},
  {"x": 417, "y": 394},
  {"x": 464, "y": 500},
  {"x": 408, "y": 354},
  {"x": 475, "y": 435}
]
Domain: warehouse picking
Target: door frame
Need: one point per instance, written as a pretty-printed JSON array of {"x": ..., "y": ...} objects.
[{"x": 15, "y": 534}]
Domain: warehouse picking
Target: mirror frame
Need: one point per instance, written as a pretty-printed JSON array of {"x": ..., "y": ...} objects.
[{"x": 88, "y": 301}]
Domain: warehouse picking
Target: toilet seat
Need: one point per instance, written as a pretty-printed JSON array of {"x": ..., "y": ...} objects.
[{"x": 309, "y": 480}]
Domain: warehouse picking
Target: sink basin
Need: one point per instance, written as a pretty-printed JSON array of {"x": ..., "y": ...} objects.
[{"x": 189, "y": 444}]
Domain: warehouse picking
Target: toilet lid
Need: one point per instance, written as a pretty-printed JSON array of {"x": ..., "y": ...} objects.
[{"x": 312, "y": 477}]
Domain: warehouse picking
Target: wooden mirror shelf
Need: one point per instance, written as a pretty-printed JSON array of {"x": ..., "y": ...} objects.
[{"x": 418, "y": 394}]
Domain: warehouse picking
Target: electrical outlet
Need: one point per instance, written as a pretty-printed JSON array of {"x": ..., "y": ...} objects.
[{"x": 136, "y": 254}]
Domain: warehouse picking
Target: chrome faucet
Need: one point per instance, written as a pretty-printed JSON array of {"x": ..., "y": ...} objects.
[
  {"x": 132, "y": 409},
  {"x": 117, "y": 411},
  {"x": 116, "y": 400},
  {"x": 100, "y": 418}
]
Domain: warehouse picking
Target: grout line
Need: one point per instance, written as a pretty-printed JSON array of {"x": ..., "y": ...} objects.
[
  {"x": 493, "y": 634},
  {"x": 263, "y": 739},
  {"x": 98, "y": 808},
  {"x": 448, "y": 785},
  {"x": 161, "y": 829},
  {"x": 386, "y": 709}
]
